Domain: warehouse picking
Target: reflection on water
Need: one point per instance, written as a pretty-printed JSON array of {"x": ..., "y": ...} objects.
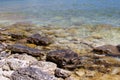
[{"x": 61, "y": 12}]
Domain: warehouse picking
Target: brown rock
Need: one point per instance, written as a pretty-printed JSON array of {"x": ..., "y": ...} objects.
[
  {"x": 64, "y": 58},
  {"x": 39, "y": 40},
  {"x": 118, "y": 47},
  {"x": 109, "y": 50},
  {"x": 17, "y": 35},
  {"x": 18, "y": 48}
]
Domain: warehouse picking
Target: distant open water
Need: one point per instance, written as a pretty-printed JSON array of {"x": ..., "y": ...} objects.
[{"x": 61, "y": 12}]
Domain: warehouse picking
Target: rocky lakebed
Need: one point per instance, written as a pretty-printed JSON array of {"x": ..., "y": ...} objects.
[{"x": 32, "y": 52}]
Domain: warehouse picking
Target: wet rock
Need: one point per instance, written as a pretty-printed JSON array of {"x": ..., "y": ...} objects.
[
  {"x": 86, "y": 62},
  {"x": 109, "y": 50},
  {"x": 62, "y": 73},
  {"x": 118, "y": 47},
  {"x": 30, "y": 73},
  {"x": 47, "y": 67},
  {"x": 108, "y": 63},
  {"x": 18, "y": 48},
  {"x": 39, "y": 40},
  {"x": 64, "y": 58},
  {"x": 17, "y": 35},
  {"x": 100, "y": 64}
]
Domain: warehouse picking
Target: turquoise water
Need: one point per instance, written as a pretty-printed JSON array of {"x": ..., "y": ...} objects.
[{"x": 61, "y": 12}]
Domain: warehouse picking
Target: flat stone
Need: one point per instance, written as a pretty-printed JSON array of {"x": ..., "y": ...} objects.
[
  {"x": 109, "y": 50},
  {"x": 15, "y": 64},
  {"x": 17, "y": 35},
  {"x": 39, "y": 40},
  {"x": 30, "y": 73},
  {"x": 61, "y": 73},
  {"x": 24, "y": 57},
  {"x": 18, "y": 48},
  {"x": 47, "y": 67},
  {"x": 64, "y": 58}
]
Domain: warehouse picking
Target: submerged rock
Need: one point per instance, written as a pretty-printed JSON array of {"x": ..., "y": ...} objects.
[
  {"x": 17, "y": 35},
  {"x": 39, "y": 40},
  {"x": 22, "y": 24},
  {"x": 64, "y": 58},
  {"x": 18, "y": 48},
  {"x": 109, "y": 50},
  {"x": 30, "y": 73}
]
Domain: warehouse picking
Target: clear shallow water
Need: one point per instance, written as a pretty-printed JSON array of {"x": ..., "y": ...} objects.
[{"x": 61, "y": 12}]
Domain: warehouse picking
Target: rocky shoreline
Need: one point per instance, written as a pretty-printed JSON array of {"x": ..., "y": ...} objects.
[{"x": 30, "y": 52}]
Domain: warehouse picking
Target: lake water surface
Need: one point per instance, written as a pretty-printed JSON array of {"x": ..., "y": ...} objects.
[{"x": 61, "y": 12}]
